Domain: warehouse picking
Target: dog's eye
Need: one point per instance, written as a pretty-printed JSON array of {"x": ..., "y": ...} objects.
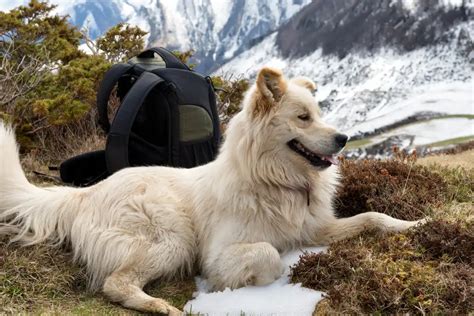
[{"x": 304, "y": 117}]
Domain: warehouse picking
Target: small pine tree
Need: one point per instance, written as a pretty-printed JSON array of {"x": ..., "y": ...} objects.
[{"x": 121, "y": 42}]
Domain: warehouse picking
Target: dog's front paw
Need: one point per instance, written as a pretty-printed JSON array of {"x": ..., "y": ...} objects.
[
  {"x": 172, "y": 311},
  {"x": 418, "y": 223}
]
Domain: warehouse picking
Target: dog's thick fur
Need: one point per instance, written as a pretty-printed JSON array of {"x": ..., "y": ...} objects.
[{"x": 233, "y": 216}]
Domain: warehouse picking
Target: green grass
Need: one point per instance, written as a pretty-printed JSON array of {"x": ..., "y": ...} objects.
[
  {"x": 467, "y": 116},
  {"x": 452, "y": 141},
  {"x": 353, "y": 144}
]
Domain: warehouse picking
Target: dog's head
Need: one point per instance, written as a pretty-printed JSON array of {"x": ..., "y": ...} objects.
[{"x": 290, "y": 119}]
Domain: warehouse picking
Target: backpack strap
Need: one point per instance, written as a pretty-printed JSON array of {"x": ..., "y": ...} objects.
[
  {"x": 106, "y": 86},
  {"x": 168, "y": 57},
  {"x": 116, "y": 149}
]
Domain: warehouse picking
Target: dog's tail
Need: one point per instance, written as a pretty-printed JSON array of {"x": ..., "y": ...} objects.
[{"x": 29, "y": 213}]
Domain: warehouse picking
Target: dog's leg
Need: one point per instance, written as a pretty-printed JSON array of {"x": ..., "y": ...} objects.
[
  {"x": 242, "y": 264},
  {"x": 124, "y": 286},
  {"x": 152, "y": 259},
  {"x": 164, "y": 247},
  {"x": 342, "y": 228}
]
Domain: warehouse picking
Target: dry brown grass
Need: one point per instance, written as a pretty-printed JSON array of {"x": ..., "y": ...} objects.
[
  {"x": 39, "y": 279},
  {"x": 65, "y": 143},
  {"x": 464, "y": 159}
]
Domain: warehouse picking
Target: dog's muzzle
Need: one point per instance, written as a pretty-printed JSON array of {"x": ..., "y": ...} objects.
[{"x": 317, "y": 160}]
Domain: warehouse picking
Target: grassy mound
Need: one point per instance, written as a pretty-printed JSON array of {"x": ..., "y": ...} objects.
[
  {"x": 419, "y": 272},
  {"x": 397, "y": 187},
  {"x": 429, "y": 269}
]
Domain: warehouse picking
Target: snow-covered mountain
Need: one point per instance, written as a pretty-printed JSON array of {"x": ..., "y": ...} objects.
[
  {"x": 380, "y": 63},
  {"x": 217, "y": 30}
]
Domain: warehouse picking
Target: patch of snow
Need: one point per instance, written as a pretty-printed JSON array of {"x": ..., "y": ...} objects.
[
  {"x": 245, "y": 64},
  {"x": 175, "y": 24},
  {"x": 410, "y": 5},
  {"x": 455, "y": 3},
  {"x": 221, "y": 9},
  {"x": 432, "y": 131},
  {"x": 65, "y": 7},
  {"x": 84, "y": 48},
  {"x": 278, "y": 298},
  {"x": 448, "y": 98}
]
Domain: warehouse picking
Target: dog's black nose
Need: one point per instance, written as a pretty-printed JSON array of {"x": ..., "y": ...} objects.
[{"x": 341, "y": 140}]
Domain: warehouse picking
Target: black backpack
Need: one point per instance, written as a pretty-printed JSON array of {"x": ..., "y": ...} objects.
[{"x": 167, "y": 117}]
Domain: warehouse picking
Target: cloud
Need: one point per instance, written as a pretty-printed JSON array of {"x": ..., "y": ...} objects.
[
  {"x": 63, "y": 5},
  {"x": 7, "y": 5}
]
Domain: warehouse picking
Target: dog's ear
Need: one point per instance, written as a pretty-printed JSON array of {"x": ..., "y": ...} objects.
[
  {"x": 305, "y": 83},
  {"x": 271, "y": 86}
]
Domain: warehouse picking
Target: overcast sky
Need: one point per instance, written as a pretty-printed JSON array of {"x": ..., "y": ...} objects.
[{"x": 6, "y": 5}]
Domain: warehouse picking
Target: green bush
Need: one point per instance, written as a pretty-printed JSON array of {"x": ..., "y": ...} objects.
[{"x": 49, "y": 84}]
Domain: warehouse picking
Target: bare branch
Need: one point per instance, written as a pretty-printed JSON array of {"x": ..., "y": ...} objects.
[
  {"x": 17, "y": 78},
  {"x": 90, "y": 43}
]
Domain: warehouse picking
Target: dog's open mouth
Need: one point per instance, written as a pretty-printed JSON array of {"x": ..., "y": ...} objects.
[{"x": 315, "y": 159}]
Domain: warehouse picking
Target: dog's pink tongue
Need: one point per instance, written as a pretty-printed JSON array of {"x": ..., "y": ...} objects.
[{"x": 331, "y": 159}]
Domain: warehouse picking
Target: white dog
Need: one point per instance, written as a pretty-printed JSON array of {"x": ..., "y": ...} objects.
[{"x": 269, "y": 190}]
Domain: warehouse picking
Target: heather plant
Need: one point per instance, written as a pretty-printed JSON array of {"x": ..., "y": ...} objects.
[
  {"x": 426, "y": 270},
  {"x": 397, "y": 187}
]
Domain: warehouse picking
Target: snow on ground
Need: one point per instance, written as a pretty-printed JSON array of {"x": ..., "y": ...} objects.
[
  {"x": 369, "y": 90},
  {"x": 278, "y": 298},
  {"x": 221, "y": 10},
  {"x": 447, "y": 98},
  {"x": 432, "y": 131}
]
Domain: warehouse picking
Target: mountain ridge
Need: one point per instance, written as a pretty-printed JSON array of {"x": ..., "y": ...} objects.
[{"x": 216, "y": 30}]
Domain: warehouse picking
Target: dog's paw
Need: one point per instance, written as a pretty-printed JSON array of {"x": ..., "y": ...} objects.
[
  {"x": 423, "y": 221},
  {"x": 419, "y": 223},
  {"x": 158, "y": 305},
  {"x": 172, "y": 311}
]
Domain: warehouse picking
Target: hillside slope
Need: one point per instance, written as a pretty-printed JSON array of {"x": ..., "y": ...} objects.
[
  {"x": 375, "y": 75},
  {"x": 216, "y": 30}
]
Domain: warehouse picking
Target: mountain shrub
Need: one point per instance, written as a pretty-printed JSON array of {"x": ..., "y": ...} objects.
[{"x": 397, "y": 187}]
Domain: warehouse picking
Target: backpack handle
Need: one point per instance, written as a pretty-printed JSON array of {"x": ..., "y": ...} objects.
[
  {"x": 116, "y": 148},
  {"x": 103, "y": 94},
  {"x": 168, "y": 57}
]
